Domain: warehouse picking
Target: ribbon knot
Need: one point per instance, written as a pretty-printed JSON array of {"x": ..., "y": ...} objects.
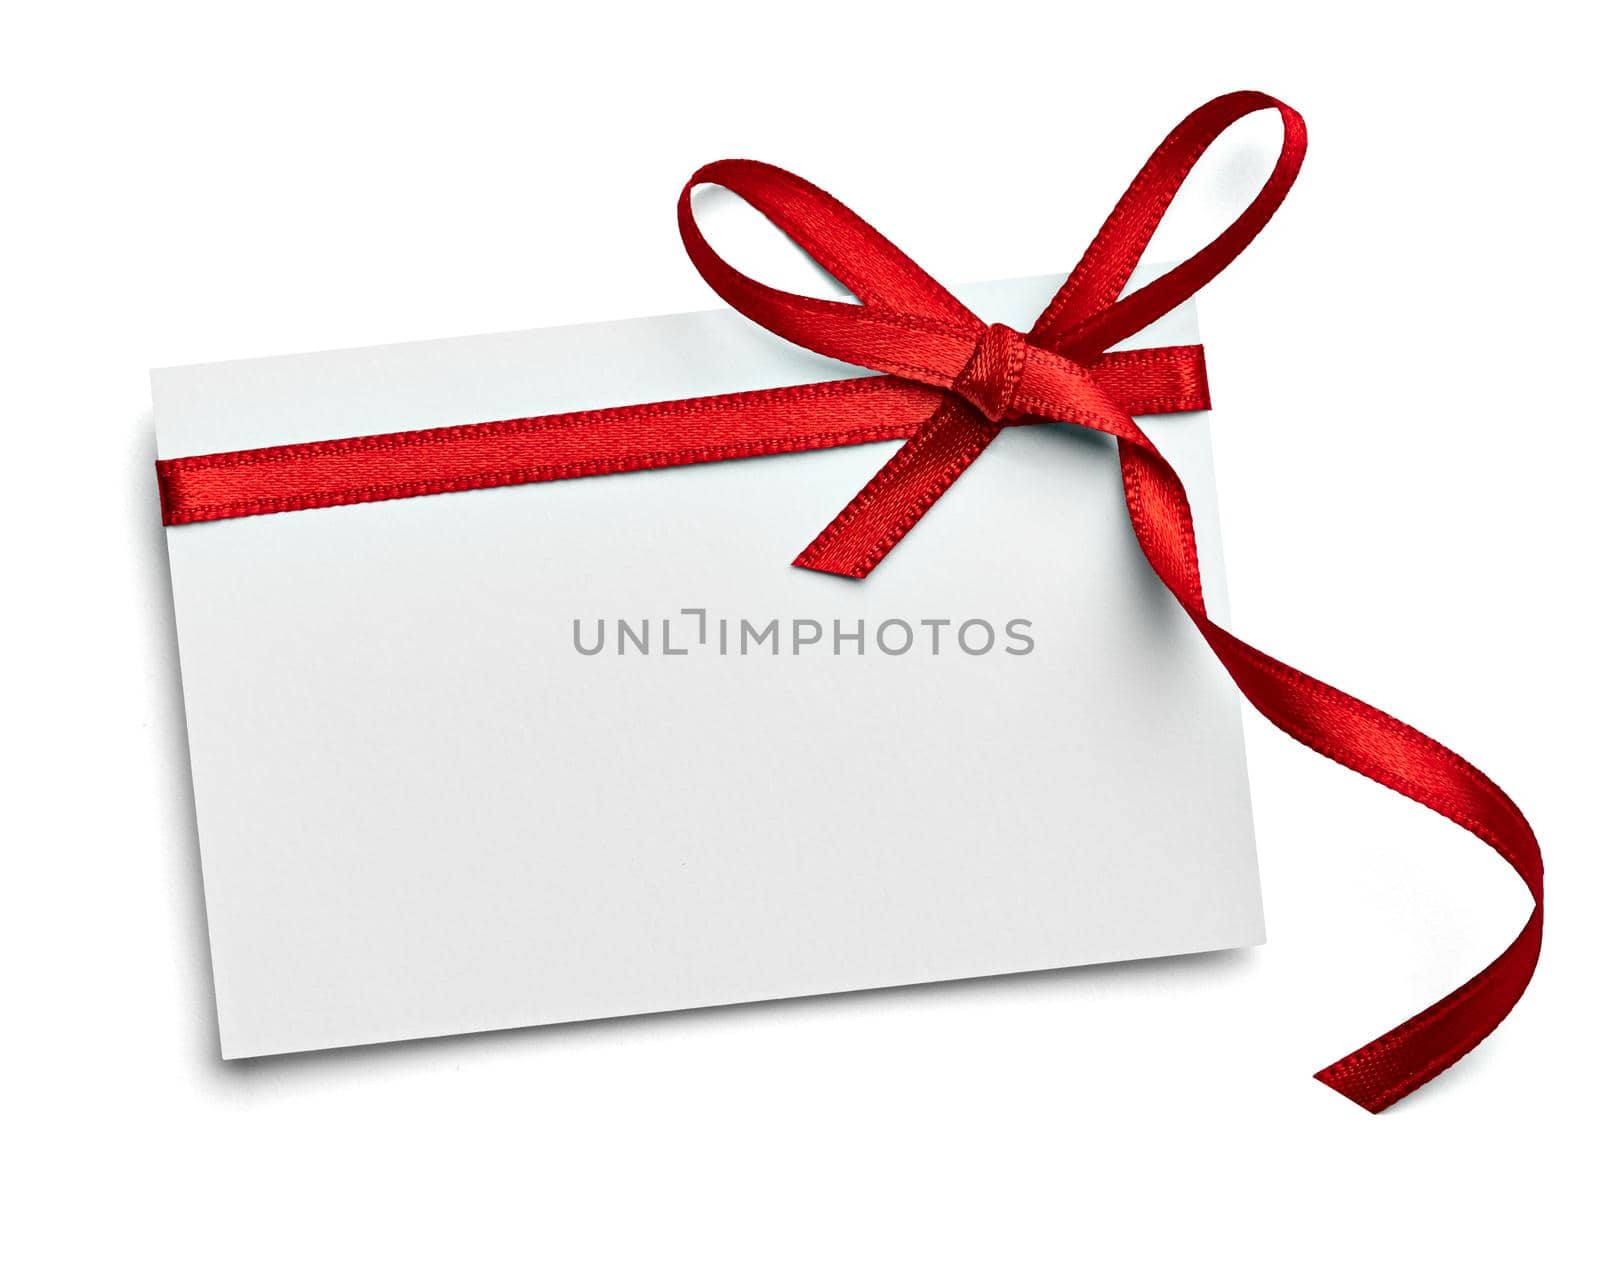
[{"x": 988, "y": 381}]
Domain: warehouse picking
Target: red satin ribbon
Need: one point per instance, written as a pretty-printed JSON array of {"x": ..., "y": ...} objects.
[
  {"x": 951, "y": 383},
  {"x": 610, "y": 440}
]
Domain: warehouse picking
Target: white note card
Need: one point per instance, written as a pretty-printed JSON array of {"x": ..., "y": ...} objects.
[{"x": 449, "y": 778}]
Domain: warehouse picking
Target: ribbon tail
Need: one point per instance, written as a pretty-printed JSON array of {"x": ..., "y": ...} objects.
[
  {"x": 1381, "y": 748},
  {"x": 1393, "y": 754},
  {"x": 1379, "y": 1074},
  {"x": 899, "y": 494}
]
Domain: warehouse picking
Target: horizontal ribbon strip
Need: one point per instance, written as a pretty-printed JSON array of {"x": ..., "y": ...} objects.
[
  {"x": 950, "y": 383},
  {"x": 609, "y": 441}
]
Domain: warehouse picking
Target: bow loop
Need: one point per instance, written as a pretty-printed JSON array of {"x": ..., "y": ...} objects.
[
  {"x": 1089, "y": 313},
  {"x": 906, "y": 324}
]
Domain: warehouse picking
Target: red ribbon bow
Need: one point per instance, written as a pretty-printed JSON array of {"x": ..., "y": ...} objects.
[
  {"x": 909, "y": 326},
  {"x": 951, "y": 384}
]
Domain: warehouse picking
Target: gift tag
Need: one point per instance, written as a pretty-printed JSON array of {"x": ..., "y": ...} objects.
[{"x": 593, "y": 747}]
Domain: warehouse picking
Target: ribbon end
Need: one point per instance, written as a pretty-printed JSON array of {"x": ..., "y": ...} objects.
[
  {"x": 1373, "y": 1105},
  {"x": 811, "y": 560}
]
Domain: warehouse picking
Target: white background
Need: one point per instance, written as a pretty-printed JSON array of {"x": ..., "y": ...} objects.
[{"x": 1405, "y": 446}]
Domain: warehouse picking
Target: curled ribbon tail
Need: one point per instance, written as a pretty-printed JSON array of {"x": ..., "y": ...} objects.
[{"x": 1395, "y": 755}]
